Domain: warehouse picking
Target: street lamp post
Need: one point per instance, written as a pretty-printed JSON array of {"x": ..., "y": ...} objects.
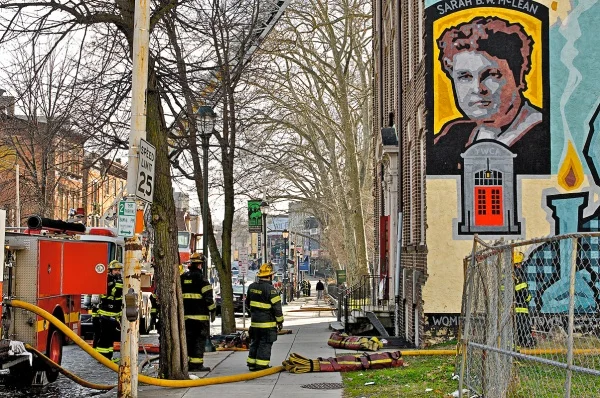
[
  {"x": 264, "y": 209},
  {"x": 285, "y": 235},
  {"x": 206, "y": 123},
  {"x": 299, "y": 288}
]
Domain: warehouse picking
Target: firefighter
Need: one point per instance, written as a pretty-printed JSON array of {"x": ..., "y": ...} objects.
[
  {"x": 154, "y": 311},
  {"x": 110, "y": 310},
  {"x": 522, "y": 299},
  {"x": 266, "y": 319},
  {"x": 199, "y": 309}
]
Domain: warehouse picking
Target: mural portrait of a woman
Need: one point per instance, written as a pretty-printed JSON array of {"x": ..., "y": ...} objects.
[{"x": 487, "y": 60}]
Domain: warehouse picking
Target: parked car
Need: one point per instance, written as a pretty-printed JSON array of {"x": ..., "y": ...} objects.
[{"x": 238, "y": 300}]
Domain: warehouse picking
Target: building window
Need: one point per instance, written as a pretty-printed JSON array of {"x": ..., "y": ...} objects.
[
  {"x": 422, "y": 184},
  {"x": 410, "y": 37},
  {"x": 421, "y": 19},
  {"x": 411, "y": 186}
]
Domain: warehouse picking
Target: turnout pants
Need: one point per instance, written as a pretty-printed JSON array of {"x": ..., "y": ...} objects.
[
  {"x": 109, "y": 330},
  {"x": 523, "y": 332},
  {"x": 196, "y": 333},
  {"x": 154, "y": 322},
  {"x": 261, "y": 342},
  {"x": 97, "y": 329}
]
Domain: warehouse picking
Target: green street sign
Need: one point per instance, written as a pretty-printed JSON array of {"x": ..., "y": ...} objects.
[
  {"x": 254, "y": 216},
  {"x": 126, "y": 208},
  {"x": 341, "y": 276}
]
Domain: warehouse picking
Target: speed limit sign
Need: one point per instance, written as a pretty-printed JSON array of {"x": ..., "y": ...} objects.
[{"x": 145, "y": 178}]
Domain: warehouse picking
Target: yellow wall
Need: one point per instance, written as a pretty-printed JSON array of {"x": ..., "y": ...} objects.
[{"x": 443, "y": 289}]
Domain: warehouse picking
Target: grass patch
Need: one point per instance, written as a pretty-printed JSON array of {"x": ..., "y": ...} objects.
[{"x": 434, "y": 372}]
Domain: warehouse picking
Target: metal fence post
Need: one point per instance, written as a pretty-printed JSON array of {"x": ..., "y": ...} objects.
[
  {"x": 571, "y": 318},
  {"x": 468, "y": 289},
  {"x": 340, "y": 297}
]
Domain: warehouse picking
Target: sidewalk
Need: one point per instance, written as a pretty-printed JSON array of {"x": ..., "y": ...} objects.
[{"x": 310, "y": 332}]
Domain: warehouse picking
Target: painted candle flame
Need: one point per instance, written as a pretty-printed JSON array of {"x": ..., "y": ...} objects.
[{"x": 570, "y": 174}]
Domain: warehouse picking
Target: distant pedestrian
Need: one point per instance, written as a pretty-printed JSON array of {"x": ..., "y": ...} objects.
[
  {"x": 305, "y": 287},
  {"x": 266, "y": 318},
  {"x": 309, "y": 287},
  {"x": 320, "y": 289}
]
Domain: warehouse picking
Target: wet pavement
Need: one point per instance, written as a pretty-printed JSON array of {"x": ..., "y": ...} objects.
[
  {"x": 80, "y": 363},
  {"x": 83, "y": 365}
]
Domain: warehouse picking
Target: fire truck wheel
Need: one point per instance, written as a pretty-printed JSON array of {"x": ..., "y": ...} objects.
[{"x": 54, "y": 351}]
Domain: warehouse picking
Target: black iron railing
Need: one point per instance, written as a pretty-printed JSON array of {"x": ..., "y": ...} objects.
[{"x": 371, "y": 293}]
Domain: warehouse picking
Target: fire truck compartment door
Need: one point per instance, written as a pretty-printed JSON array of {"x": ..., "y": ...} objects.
[
  {"x": 50, "y": 268},
  {"x": 84, "y": 267}
]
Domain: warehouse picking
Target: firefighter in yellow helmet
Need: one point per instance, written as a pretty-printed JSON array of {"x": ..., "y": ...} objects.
[
  {"x": 110, "y": 310},
  {"x": 199, "y": 309},
  {"x": 522, "y": 299},
  {"x": 266, "y": 319}
]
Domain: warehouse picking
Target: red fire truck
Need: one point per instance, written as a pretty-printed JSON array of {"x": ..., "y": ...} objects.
[
  {"x": 51, "y": 266},
  {"x": 187, "y": 243}
]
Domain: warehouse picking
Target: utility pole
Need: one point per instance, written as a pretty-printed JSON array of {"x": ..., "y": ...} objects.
[
  {"x": 128, "y": 366},
  {"x": 18, "y": 197}
]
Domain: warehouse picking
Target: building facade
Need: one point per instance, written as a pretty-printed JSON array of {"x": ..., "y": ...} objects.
[
  {"x": 56, "y": 178},
  {"x": 496, "y": 110}
]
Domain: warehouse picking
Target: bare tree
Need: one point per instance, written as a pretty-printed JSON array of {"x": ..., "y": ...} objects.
[
  {"x": 316, "y": 113},
  {"x": 40, "y": 134},
  {"x": 233, "y": 30},
  {"x": 104, "y": 30}
]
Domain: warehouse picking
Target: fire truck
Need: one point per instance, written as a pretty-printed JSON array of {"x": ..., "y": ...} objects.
[
  {"x": 51, "y": 265},
  {"x": 187, "y": 243}
]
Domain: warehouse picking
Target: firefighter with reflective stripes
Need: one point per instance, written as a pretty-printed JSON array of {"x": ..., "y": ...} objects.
[
  {"x": 154, "y": 312},
  {"x": 522, "y": 299},
  {"x": 199, "y": 309},
  {"x": 267, "y": 318},
  {"x": 110, "y": 310}
]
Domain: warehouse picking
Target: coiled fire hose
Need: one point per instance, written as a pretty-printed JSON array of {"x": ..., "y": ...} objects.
[{"x": 141, "y": 378}]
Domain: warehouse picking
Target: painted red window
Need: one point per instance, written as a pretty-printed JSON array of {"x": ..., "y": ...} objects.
[{"x": 488, "y": 198}]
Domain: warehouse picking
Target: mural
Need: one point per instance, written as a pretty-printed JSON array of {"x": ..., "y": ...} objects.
[
  {"x": 490, "y": 105},
  {"x": 514, "y": 134}
]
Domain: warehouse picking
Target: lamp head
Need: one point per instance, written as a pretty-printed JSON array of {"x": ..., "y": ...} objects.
[
  {"x": 285, "y": 234},
  {"x": 206, "y": 117},
  {"x": 264, "y": 207}
]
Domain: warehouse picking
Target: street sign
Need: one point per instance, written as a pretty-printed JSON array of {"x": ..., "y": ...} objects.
[
  {"x": 145, "y": 178},
  {"x": 243, "y": 268},
  {"x": 340, "y": 276},
  {"x": 254, "y": 216},
  {"x": 126, "y": 218}
]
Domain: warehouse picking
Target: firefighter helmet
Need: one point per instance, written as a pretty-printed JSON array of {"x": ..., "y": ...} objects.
[
  {"x": 114, "y": 264},
  {"x": 196, "y": 258},
  {"x": 518, "y": 257},
  {"x": 265, "y": 270}
]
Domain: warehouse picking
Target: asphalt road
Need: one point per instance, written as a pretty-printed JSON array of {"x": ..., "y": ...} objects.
[{"x": 83, "y": 365}]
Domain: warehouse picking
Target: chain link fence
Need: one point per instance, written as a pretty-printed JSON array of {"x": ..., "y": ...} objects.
[{"x": 530, "y": 318}]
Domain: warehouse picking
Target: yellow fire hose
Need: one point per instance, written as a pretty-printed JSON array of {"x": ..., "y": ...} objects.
[
  {"x": 141, "y": 378},
  {"x": 68, "y": 374}
]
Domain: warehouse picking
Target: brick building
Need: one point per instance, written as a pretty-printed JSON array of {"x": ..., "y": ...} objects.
[
  {"x": 55, "y": 175},
  {"x": 399, "y": 161}
]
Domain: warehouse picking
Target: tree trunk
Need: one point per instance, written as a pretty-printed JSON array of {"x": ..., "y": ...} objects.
[{"x": 173, "y": 353}]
